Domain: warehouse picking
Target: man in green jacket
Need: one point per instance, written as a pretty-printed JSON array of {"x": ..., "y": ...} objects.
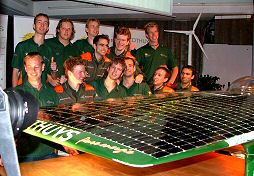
[
  {"x": 153, "y": 55},
  {"x": 35, "y": 44},
  {"x": 107, "y": 87},
  {"x": 75, "y": 90},
  {"x": 128, "y": 82},
  {"x": 122, "y": 41},
  {"x": 31, "y": 148},
  {"x": 97, "y": 63},
  {"x": 187, "y": 75},
  {"x": 92, "y": 30},
  {"x": 61, "y": 45}
]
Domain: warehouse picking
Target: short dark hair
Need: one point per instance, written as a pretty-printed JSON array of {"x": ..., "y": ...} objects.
[
  {"x": 98, "y": 37},
  {"x": 118, "y": 60},
  {"x": 40, "y": 14},
  {"x": 63, "y": 21},
  {"x": 190, "y": 68}
]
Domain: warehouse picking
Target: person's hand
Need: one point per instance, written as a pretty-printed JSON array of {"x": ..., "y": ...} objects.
[
  {"x": 43, "y": 116},
  {"x": 63, "y": 79},
  {"x": 54, "y": 82},
  {"x": 139, "y": 79},
  {"x": 77, "y": 107},
  {"x": 53, "y": 65},
  {"x": 132, "y": 46},
  {"x": 71, "y": 151}
]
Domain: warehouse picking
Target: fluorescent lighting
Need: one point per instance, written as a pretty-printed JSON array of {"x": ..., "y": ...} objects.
[{"x": 232, "y": 17}]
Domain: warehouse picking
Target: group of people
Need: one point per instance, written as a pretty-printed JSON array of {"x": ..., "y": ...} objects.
[
  {"x": 57, "y": 71},
  {"x": 153, "y": 66}
]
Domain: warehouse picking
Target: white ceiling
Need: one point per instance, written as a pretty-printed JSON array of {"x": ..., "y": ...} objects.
[{"x": 78, "y": 9}]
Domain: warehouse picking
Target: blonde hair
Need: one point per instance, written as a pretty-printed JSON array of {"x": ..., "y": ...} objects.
[
  {"x": 150, "y": 25},
  {"x": 32, "y": 55}
]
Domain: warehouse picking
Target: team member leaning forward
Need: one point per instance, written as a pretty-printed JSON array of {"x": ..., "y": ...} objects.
[
  {"x": 75, "y": 90},
  {"x": 160, "y": 79},
  {"x": 107, "y": 87},
  {"x": 128, "y": 83},
  {"x": 121, "y": 50}
]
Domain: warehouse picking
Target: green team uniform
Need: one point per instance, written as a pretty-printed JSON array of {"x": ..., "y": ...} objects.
[
  {"x": 190, "y": 88},
  {"x": 67, "y": 95},
  {"x": 102, "y": 92},
  {"x": 162, "y": 89},
  {"x": 158, "y": 90},
  {"x": 150, "y": 59},
  {"x": 83, "y": 46},
  {"x": 27, "y": 46},
  {"x": 179, "y": 88},
  {"x": 61, "y": 52},
  {"x": 46, "y": 95},
  {"x": 32, "y": 148},
  {"x": 137, "y": 89},
  {"x": 112, "y": 55},
  {"x": 95, "y": 70}
]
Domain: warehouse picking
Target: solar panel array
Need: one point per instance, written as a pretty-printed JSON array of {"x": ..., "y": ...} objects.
[{"x": 165, "y": 125}]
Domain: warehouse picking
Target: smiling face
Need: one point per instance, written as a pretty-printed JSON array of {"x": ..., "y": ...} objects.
[
  {"x": 65, "y": 31},
  {"x": 153, "y": 35},
  {"x": 78, "y": 74},
  {"x": 92, "y": 29},
  {"x": 41, "y": 25},
  {"x": 34, "y": 67},
  {"x": 115, "y": 71},
  {"x": 121, "y": 42},
  {"x": 101, "y": 47},
  {"x": 159, "y": 77}
]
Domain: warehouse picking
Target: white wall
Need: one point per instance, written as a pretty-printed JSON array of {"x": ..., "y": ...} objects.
[
  {"x": 3, "y": 50},
  {"x": 228, "y": 62},
  {"x": 138, "y": 37},
  {"x": 23, "y": 29}
]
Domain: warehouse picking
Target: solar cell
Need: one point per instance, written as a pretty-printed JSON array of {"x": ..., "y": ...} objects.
[{"x": 154, "y": 128}]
